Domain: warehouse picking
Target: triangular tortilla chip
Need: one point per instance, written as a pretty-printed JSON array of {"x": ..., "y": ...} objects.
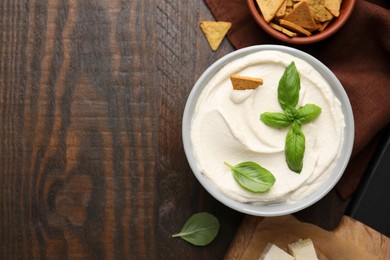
[
  {"x": 294, "y": 27},
  {"x": 320, "y": 13},
  {"x": 323, "y": 26},
  {"x": 283, "y": 30},
  {"x": 214, "y": 32},
  {"x": 302, "y": 16},
  {"x": 282, "y": 10},
  {"x": 269, "y": 8},
  {"x": 333, "y": 7}
]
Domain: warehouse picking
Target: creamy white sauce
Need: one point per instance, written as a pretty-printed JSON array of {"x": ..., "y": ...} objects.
[{"x": 227, "y": 127}]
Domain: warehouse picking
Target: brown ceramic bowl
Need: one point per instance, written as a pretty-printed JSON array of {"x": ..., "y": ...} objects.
[{"x": 345, "y": 12}]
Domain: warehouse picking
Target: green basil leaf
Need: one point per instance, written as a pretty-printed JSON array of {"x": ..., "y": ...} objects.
[
  {"x": 278, "y": 120},
  {"x": 307, "y": 113},
  {"x": 289, "y": 86},
  {"x": 252, "y": 176},
  {"x": 200, "y": 229},
  {"x": 290, "y": 113},
  {"x": 295, "y": 148}
]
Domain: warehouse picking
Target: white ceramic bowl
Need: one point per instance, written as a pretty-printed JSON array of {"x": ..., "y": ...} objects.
[{"x": 276, "y": 209}]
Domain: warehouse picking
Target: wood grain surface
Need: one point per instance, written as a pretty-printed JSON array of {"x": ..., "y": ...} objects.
[{"x": 92, "y": 164}]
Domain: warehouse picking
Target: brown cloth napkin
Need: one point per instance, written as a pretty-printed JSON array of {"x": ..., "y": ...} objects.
[{"x": 358, "y": 54}]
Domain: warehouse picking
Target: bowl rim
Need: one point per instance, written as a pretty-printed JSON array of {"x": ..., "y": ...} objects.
[
  {"x": 332, "y": 28},
  {"x": 276, "y": 209}
]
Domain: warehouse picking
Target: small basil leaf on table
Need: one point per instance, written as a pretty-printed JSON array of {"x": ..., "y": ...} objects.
[
  {"x": 200, "y": 229},
  {"x": 307, "y": 113},
  {"x": 275, "y": 119},
  {"x": 289, "y": 86},
  {"x": 295, "y": 148},
  {"x": 252, "y": 177}
]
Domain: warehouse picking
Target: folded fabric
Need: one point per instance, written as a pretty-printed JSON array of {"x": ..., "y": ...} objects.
[{"x": 358, "y": 54}]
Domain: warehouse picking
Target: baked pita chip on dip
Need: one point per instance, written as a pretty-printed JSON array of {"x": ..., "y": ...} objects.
[
  {"x": 243, "y": 82},
  {"x": 214, "y": 32}
]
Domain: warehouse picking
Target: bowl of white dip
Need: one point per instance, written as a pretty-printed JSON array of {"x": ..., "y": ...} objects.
[{"x": 221, "y": 124}]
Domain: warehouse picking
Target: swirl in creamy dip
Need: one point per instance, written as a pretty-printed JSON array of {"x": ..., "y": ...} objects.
[{"x": 226, "y": 127}]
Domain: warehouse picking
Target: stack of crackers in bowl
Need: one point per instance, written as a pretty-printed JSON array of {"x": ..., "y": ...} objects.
[{"x": 301, "y": 21}]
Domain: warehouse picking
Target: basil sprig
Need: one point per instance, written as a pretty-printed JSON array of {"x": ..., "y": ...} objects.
[
  {"x": 200, "y": 229},
  {"x": 252, "y": 177},
  {"x": 288, "y": 96}
]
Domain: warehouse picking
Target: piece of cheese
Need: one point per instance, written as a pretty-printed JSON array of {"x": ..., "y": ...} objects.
[
  {"x": 303, "y": 250},
  {"x": 272, "y": 252}
]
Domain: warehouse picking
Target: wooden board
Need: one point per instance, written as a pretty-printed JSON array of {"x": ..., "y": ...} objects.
[{"x": 350, "y": 240}]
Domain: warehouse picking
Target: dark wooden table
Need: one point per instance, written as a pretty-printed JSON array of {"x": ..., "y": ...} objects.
[{"x": 92, "y": 164}]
